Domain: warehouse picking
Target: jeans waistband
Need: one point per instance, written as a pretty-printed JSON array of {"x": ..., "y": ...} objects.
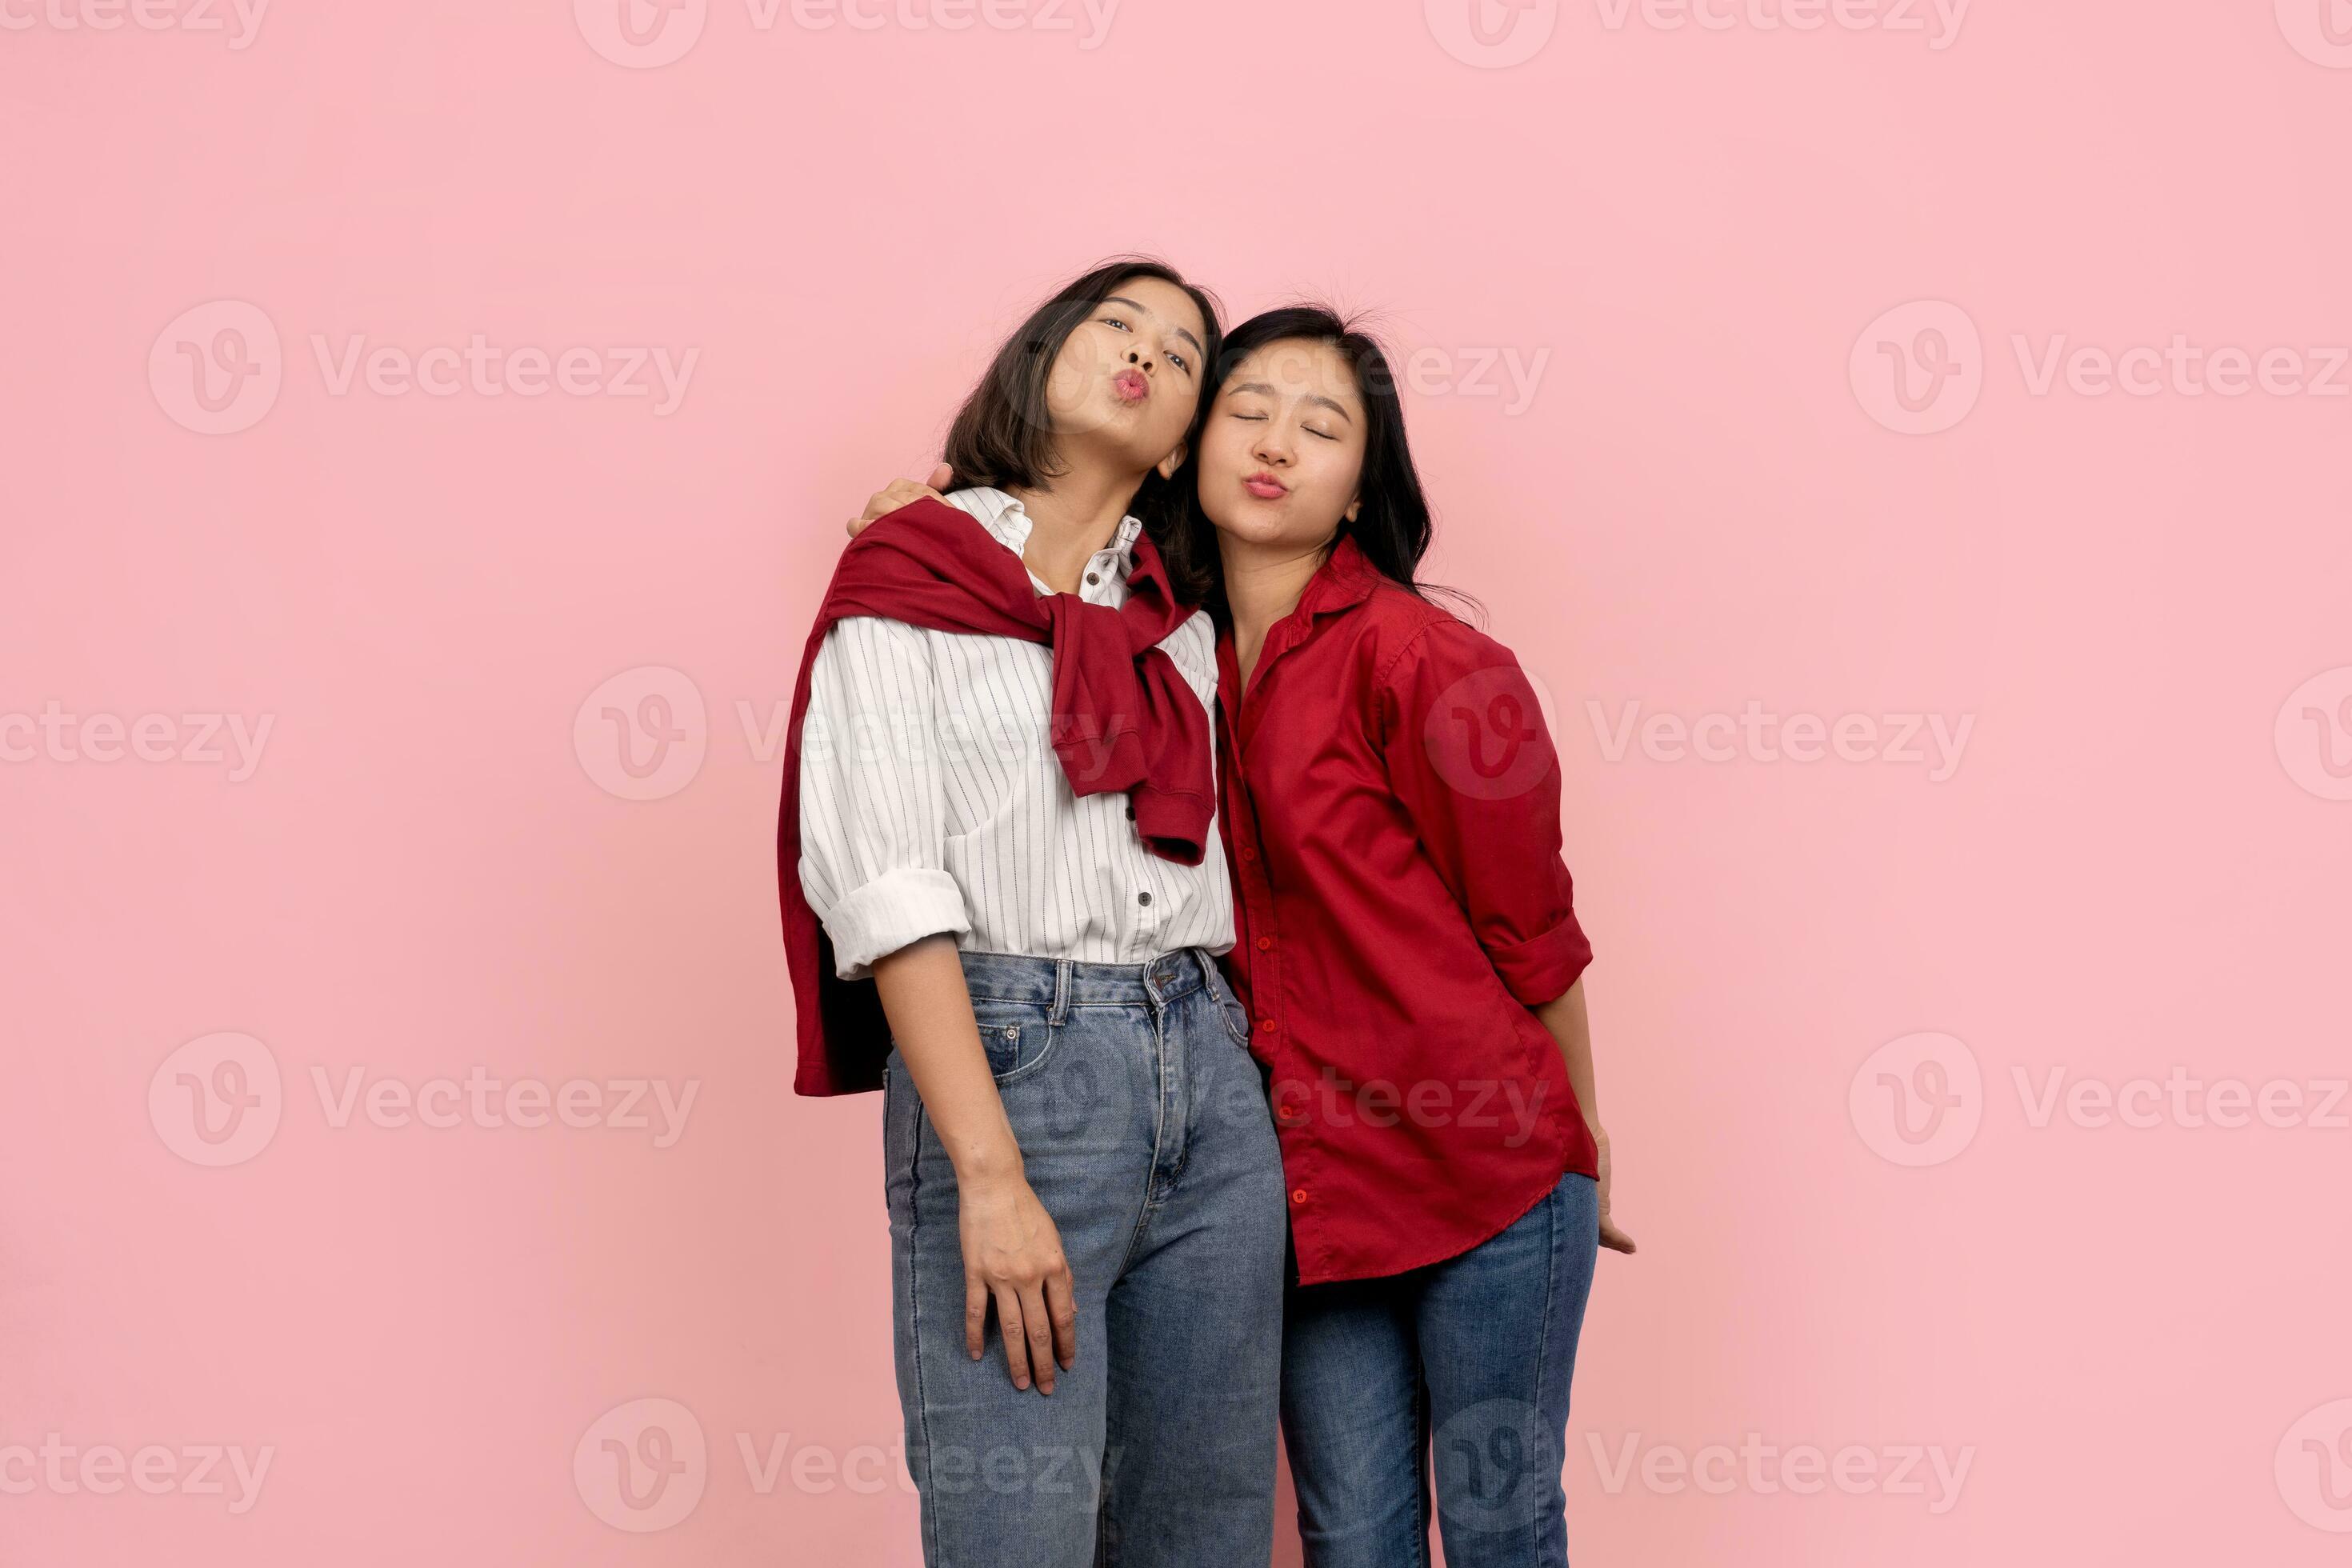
[{"x": 1060, "y": 982}]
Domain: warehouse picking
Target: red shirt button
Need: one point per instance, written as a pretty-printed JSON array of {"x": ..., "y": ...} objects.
[
  {"x": 1265, "y": 1025},
  {"x": 1249, "y": 851},
  {"x": 1298, "y": 1194},
  {"x": 1264, "y": 942}
]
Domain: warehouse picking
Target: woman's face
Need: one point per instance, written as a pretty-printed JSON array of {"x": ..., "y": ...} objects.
[
  {"x": 1284, "y": 449},
  {"x": 1128, "y": 379}
]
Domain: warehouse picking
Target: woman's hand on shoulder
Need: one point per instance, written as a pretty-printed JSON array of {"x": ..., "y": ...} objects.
[{"x": 899, "y": 493}]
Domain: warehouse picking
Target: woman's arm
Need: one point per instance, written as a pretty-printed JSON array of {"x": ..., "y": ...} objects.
[
  {"x": 873, "y": 834},
  {"x": 1453, "y": 702},
  {"x": 1564, "y": 1015},
  {"x": 1012, "y": 1250}
]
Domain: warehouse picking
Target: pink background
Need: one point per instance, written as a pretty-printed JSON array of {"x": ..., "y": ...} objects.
[{"x": 2136, "y": 1335}]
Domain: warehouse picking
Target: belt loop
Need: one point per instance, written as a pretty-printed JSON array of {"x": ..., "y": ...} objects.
[{"x": 1061, "y": 1009}]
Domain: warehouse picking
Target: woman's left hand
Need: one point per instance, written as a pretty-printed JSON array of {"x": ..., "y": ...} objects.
[{"x": 1612, "y": 1238}]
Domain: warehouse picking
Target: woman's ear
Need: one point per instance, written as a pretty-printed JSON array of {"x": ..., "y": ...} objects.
[
  {"x": 1354, "y": 507},
  {"x": 1170, "y": 463}
]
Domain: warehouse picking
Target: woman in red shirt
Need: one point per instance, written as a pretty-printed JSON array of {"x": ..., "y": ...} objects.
[{"x": 1409, "y": 952}]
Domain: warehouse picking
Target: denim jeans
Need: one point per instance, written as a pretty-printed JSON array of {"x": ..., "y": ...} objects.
[
  {"x": 1143, "y": 1127},
  {"x": 1470, "y": 1358}
]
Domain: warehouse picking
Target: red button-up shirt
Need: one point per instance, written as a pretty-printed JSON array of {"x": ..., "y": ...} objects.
[{"x": 1391, "y": 804}]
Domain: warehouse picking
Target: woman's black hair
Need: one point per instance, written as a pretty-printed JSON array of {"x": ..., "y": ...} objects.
[
  {"x": 1392, "y": 527},
  {"x": 1004, "y": 434}
]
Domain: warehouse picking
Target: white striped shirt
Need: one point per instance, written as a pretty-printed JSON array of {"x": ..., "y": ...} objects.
[{"x": 932, "y": 799}]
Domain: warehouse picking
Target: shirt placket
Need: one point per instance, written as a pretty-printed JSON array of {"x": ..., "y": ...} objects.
[{"x": 1263, "y": 933}]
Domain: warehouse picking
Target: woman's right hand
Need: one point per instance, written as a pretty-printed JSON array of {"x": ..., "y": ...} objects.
[
  {"x": 899, "y": 493},
  {"x": 1013, "y": 1256}
]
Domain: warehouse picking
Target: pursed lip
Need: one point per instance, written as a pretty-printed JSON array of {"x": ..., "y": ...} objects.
[
  {"x": 1132, "y": 385},
  {"x": 1266, "y": 486}
]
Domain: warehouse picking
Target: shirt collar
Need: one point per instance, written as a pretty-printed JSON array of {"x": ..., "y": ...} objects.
[
  {"x": 1345, "y": 579},
  {"x": 1008, "y": 522}
]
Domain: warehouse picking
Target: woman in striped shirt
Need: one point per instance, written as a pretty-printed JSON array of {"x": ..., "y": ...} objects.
[{"x": 1077, "y": 1154}]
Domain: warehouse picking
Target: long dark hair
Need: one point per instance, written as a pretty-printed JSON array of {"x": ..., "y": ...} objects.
[
  {"x": 1004, "y": 434},
  {"x": 1392, "y": 527}
]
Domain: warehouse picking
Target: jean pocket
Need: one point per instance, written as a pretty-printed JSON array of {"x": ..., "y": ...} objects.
[
  {"x": 1017, "y": 1037},
  {"x": 1229, "y": 1008}
]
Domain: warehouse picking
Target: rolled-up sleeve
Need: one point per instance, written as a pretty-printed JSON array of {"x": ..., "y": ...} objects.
[
  {"x": 1472, "y": 762},
  {"x": 873, "y": 803}
]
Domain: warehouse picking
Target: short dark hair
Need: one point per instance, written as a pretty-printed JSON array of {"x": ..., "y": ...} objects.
[{"x": 1004, "y": 434}]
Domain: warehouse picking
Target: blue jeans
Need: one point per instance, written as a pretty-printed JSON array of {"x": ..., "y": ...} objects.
[
  {"x": 1143, "y": 1127},
  {"x": 1475, "y": 1353}
]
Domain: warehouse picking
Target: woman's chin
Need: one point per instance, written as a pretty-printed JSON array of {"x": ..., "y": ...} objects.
[{"x": 1258, "y": 525}]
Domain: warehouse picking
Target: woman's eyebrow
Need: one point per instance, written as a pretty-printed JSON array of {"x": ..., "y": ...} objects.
[
  {"x": 1142, "y": 311},
  {"x": 1263, "y": 390}
]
